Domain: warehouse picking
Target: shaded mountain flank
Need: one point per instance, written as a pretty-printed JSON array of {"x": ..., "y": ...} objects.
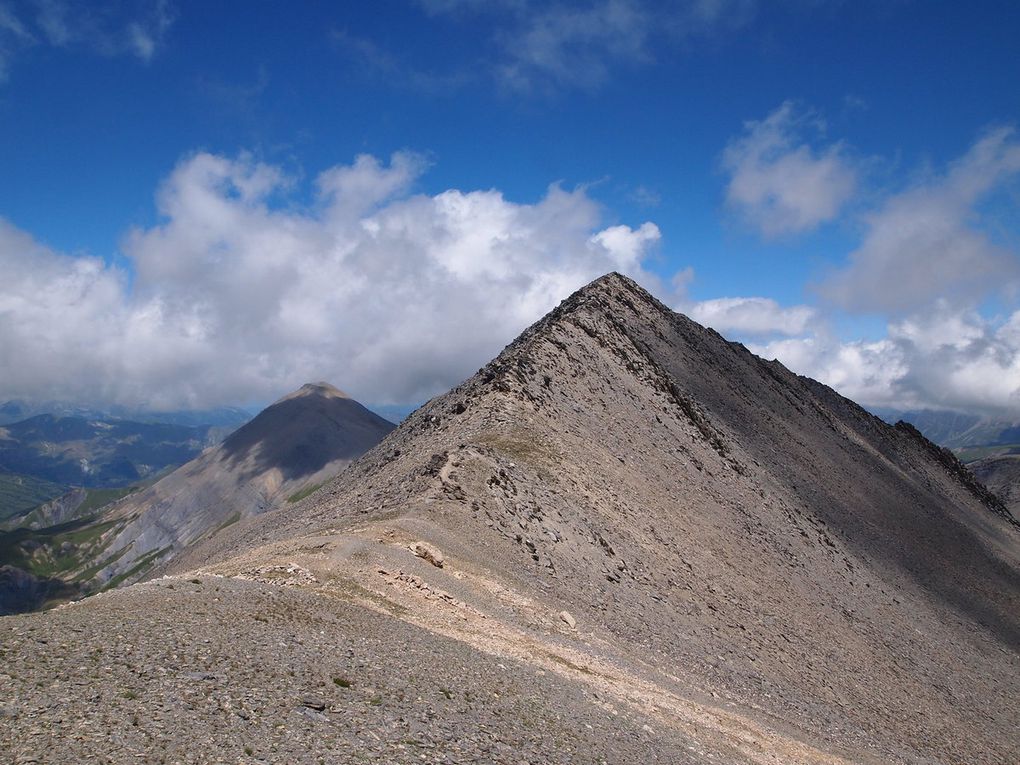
[
  {"x": 990, "y": 448},
  {"x": 624, "y": 540},
  {"x": 1002, "y": 477},
  {"x": 289, "y": 449}
]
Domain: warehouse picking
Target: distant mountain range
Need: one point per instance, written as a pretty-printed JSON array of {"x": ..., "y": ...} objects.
[
  {"x": 219, "y": 417},
  {"x": 45, "y": 455},
  {"x": 79, "y": 542},
  {"x": 970, "y": 435}
]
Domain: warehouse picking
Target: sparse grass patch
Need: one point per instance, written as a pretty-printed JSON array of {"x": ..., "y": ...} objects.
[
  {"x": 19, "y": 493},
  {"x": 97, "y": 498},
  {"x": 342, "y": 682},
  {"x": 229, "y": 522},
  {"x": 305, "y": 492},
  {"x": 971, "y": 453},
  {"x": 89, "y": 573},
  {"x": 521, "y": 445}
]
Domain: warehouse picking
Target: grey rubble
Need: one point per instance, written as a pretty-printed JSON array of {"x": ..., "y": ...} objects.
[{"x": 758, "y": 571}]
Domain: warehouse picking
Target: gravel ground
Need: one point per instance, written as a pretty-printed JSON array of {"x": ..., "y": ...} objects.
[{"x": 221, "y": 670}]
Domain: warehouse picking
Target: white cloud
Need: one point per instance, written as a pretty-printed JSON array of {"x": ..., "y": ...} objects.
[
  {"x": 867, "y": 372},
  {"x": 928, "y": 242},
  {"x": 437, "y": 7},
  {"x": 944, "y": 359},
  {"x": 751, "y": 315},
  {"x": 942, "y": 328},
  {"x": 781, "y": 185},
  {"x": 360, "y": 187},
  {"x": 11, "y": 24},
  {"x": 53, "y": 20},
  {"x": 392, "y": 295},
  {"x": 926, "y": 263},
  {"x": 625, "y": 246}
]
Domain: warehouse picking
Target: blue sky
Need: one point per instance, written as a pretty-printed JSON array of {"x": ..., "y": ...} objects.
[{"x": 833, "y": 183}]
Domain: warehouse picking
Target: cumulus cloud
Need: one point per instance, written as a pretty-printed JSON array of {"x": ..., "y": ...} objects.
[
  {"x": 931, "y": 242},
  {"x": 751, "y": 316},
  {"x": 779, "y": 183},
  {"x": 947, "y": 359},
  {"x": 931, "y": 258},
  {"x": 867, "y": 372},
  {"x": 239, "y": 293},
  {"x": 625, "y": 246}
]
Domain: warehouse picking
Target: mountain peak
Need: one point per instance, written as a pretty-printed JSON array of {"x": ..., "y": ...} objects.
[
  {"x": 612, "y": 285},
  {"x": 321, "y": 389}
]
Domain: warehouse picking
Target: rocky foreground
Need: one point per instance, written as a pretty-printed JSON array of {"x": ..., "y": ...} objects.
[{"x": 204, "y": 670}]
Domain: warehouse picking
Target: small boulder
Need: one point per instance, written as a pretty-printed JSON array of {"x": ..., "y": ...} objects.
[
  {"x": 429, "y": 553},
  {"x": 313, "y": 702},
  {"x": 567, "y": 619}
]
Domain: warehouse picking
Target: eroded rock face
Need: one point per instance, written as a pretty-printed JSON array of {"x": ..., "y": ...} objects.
[{"x": 757, "y": 570}]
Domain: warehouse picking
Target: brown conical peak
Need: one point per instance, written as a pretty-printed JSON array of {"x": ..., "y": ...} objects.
[{"x": 321, "y": 389}]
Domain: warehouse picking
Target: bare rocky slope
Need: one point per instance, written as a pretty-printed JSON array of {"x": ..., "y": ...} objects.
[
  {"x": 623, "y": 540},
  {"x": 1002, "y": 477}
]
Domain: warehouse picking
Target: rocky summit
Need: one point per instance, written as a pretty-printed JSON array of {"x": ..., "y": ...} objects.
[{"x": 624, "y": 540}]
